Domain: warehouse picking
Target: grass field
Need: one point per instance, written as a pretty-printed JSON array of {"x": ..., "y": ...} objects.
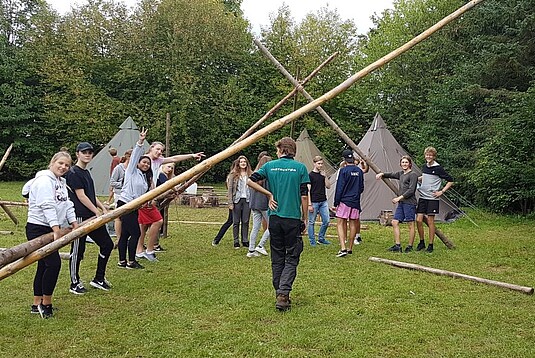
[{"x": 204, "y": 301}]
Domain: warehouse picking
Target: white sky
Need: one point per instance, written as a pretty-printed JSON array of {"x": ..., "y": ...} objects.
[{"x": 258, "y": 11}]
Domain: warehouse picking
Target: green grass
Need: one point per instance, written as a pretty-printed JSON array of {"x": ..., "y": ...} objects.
[{"x": 201, "y": 301}]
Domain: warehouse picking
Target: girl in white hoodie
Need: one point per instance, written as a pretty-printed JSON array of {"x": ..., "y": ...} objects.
[{"x": 49, "y": 209}]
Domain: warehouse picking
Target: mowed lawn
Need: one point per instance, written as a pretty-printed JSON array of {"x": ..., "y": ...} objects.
[{"x": 204, "y": 301}]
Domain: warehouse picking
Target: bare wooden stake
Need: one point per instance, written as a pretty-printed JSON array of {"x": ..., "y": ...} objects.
[{"x": 510, "y": 286}]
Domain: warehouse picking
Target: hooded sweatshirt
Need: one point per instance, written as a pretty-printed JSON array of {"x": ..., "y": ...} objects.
[{"x": 48, "y": 200}]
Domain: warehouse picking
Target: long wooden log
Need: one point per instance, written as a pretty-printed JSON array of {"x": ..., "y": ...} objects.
[
  {"x": 13, "y": 203},
  {"x": 232, "y": 150},
  {"x": 16, "y": 252},
  {"x": 266, "y": 116},
  {"x": 6, "y": 155},
  {"x": 373, "y": 66},
  {"x": 510, "y": 286},
  {"x": 10, "y": 214}
]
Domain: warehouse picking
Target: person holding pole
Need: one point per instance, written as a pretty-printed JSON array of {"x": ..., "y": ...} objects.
[
  {"x": 288, "y": 199},
  {"x": 116, "y": 182},
  {"x": 259, "y": 207},
  {"x": 152, "y": 220},
  {"x": 406, "y": 200},
  {"x": 317, "y": 202},
  {"x": 49, "y": 209},
  {"x": 430, "y": 192},
  {"x": 349, "y": 187},
  {"x": 82, "y": 194}
]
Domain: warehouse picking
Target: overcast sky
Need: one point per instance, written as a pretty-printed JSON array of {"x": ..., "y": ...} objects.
[{"x": 258, "y": 11}]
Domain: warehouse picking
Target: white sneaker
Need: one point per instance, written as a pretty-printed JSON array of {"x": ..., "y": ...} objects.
[
  {"x": 141, "y": 255},
  {"x": 253, "y": 254},
  {"x": 261, "y": 250},
  {"x": 151, "y": 257},
  {"x": 357, "y": 241}
]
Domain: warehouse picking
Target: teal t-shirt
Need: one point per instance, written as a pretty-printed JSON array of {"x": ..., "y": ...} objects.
[{"x": 285, "y": 177}]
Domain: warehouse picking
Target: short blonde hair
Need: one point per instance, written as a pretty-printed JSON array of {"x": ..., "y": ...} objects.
[
  {"x": 317, "y": 158},
  {"x": 60, "y": 154},
  {"x": 431, "y": 150}
]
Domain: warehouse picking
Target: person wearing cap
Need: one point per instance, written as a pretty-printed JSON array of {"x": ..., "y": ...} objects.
[
  {"x": 349, "y": 187},
  {"x": 86, "y": 205}
]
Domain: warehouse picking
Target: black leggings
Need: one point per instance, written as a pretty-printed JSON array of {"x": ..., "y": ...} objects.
[
  {"x": 130, "y": 234},
  {"x": 48, "y": 267}
]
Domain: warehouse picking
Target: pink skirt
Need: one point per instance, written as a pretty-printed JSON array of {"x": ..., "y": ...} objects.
[{"x": 345, "y": 212}]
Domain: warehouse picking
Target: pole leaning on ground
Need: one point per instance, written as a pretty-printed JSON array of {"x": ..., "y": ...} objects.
[
  {"x": 510, "y": 286},
  {"x": 233, "y": 149}
]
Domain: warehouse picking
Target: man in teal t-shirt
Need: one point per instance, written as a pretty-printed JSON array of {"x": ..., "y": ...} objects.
[{"x": 288, "y": 198}]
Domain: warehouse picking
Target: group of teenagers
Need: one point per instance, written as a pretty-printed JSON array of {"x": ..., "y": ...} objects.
[
  {"x": 282, "y": 195},
  {"x": 63, "y": 196}
]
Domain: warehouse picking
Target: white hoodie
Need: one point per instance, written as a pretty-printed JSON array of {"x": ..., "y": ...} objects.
[{"x": 48, "y": 200}]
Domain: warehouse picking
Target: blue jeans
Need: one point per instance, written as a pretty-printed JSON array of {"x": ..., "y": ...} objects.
[{"x": 323, "y": 209}]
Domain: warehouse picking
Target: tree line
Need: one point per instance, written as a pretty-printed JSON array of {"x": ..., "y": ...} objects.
[{"x": 468, "y": 90}]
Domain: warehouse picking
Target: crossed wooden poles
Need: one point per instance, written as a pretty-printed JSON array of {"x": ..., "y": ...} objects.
[{"x": 233, "y": 149}]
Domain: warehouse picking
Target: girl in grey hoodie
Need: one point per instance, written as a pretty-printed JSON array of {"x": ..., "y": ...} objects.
[{"x": 49, "y": 209}]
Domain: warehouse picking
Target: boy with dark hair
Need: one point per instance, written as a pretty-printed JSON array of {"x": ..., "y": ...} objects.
[
  {"x": 428, "y": 204},
  {"x": 317, "y": 202},
  {"x": 288, "y": 196},
  {"x": 349, "y": 187},
  {"x": 86, "y": 205}
]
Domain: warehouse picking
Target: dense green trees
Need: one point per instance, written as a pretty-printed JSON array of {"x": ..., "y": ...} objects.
[{"x": 468, "y": 90}]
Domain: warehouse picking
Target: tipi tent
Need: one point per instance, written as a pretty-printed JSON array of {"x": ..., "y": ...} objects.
[
  {"x": 125, "y": 139},
  {"x": 383, "y": 149}
]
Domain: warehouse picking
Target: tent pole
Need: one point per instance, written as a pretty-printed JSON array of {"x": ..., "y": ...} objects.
[{"x": 215, "y": 159}]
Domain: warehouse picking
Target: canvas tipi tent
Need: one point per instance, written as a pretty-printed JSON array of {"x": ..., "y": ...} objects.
[
  {"x": 383, "y": 149},
  {"x": 125, "y": 139}
]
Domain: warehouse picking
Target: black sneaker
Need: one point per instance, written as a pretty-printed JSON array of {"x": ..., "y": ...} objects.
[
  {"x": 34, "y": 309},
  {"x": 78, "y": 289},
  {"x": 215, "y": 242},
  {"x": 408, "y": 249},
  {"x": 341, "y": 253},
  {"x": 421, "y": 246},
  {"x": 159, "y": 248},
  {"x": 245, "y": 244},
  {"x": 121, "y": 264},
  {"x": 237, "y": 245},
  {"x": 45, "y": 311},
  {"x": 349, "y": 252},
  {"x": 103, "y": 285},
  {"x": 395, "y": 248},
  {"x": 429, "y": 248},
  {"x": 134, "y": 265}
]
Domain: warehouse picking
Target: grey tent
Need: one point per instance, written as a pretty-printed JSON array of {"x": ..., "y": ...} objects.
[
  {"x": 383, "y": 149},
  {"x": 124, "y": 139}
]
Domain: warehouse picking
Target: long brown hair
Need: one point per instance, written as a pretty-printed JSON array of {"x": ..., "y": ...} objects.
[{"x": 235, "y": 172}]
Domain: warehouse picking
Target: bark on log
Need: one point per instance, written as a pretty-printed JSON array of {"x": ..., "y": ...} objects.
[
  {"x": 6, "y": 154},
  {"x": 510, "y": 286},
  {"x": 13, "y": 203},
  {"x": 232, "y": 150}
]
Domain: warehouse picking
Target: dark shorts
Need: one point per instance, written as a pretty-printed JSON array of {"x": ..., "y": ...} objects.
[
  {"x": 405, "y": 212},
  {"x": 427, "y": 207}
]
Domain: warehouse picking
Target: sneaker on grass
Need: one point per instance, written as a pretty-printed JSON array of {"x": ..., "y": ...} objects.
[
  {"x": 253, "y": 254},
  {"x": 103, "y": 285},
  {"x": 150, "y": 256},
  {"x": 357, "y": 241},
  {"x": 34, "y": 309},
  {"x": 215, "y": 242},
  {"x": 46, "y": 311},
  {"x": 324, "y": 242},
  {"x": 408, "y": 249},
  {"x": 429, "y": 248},
  {"x": 395, "y": 248},
  {"x": 341, "y": 253},
  {"x": 261, "y": 250},
  {"x": 421, "y": 246},
  {"x": 134, "y": 265},
  {"x": 78, "y": 289},
  {"x": 121, "y": 264},
  {"x": 159, "y": 248},
  {"x": 283, "y": 302}
]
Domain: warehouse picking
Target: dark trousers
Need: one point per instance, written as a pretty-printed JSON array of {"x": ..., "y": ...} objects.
[
  {"x": 130, "y": 234},
  {"x": 286, "y": 247},
  {"x": 226, "y": 225},
  {"x": 46, "y": 276},
  {"x": 101, "y": 237},
  {"x": 241, "y": 214}
]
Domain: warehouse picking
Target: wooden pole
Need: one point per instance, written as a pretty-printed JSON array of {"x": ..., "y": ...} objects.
[
  {"x": 510, "y": 286},
  {"x": 23, "y": 249},
  {"x": 13, "y": 203},
  {"x": 167, "y": 153},
  {"x": 16, "y": 252},
  {"x": 10, "y": 214},
  {"x": 296, "y": 97},
  {"x": 210, "y": 162},
  {"x": 6, "y": 154},
  {"x": 248, "y": 132}
]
